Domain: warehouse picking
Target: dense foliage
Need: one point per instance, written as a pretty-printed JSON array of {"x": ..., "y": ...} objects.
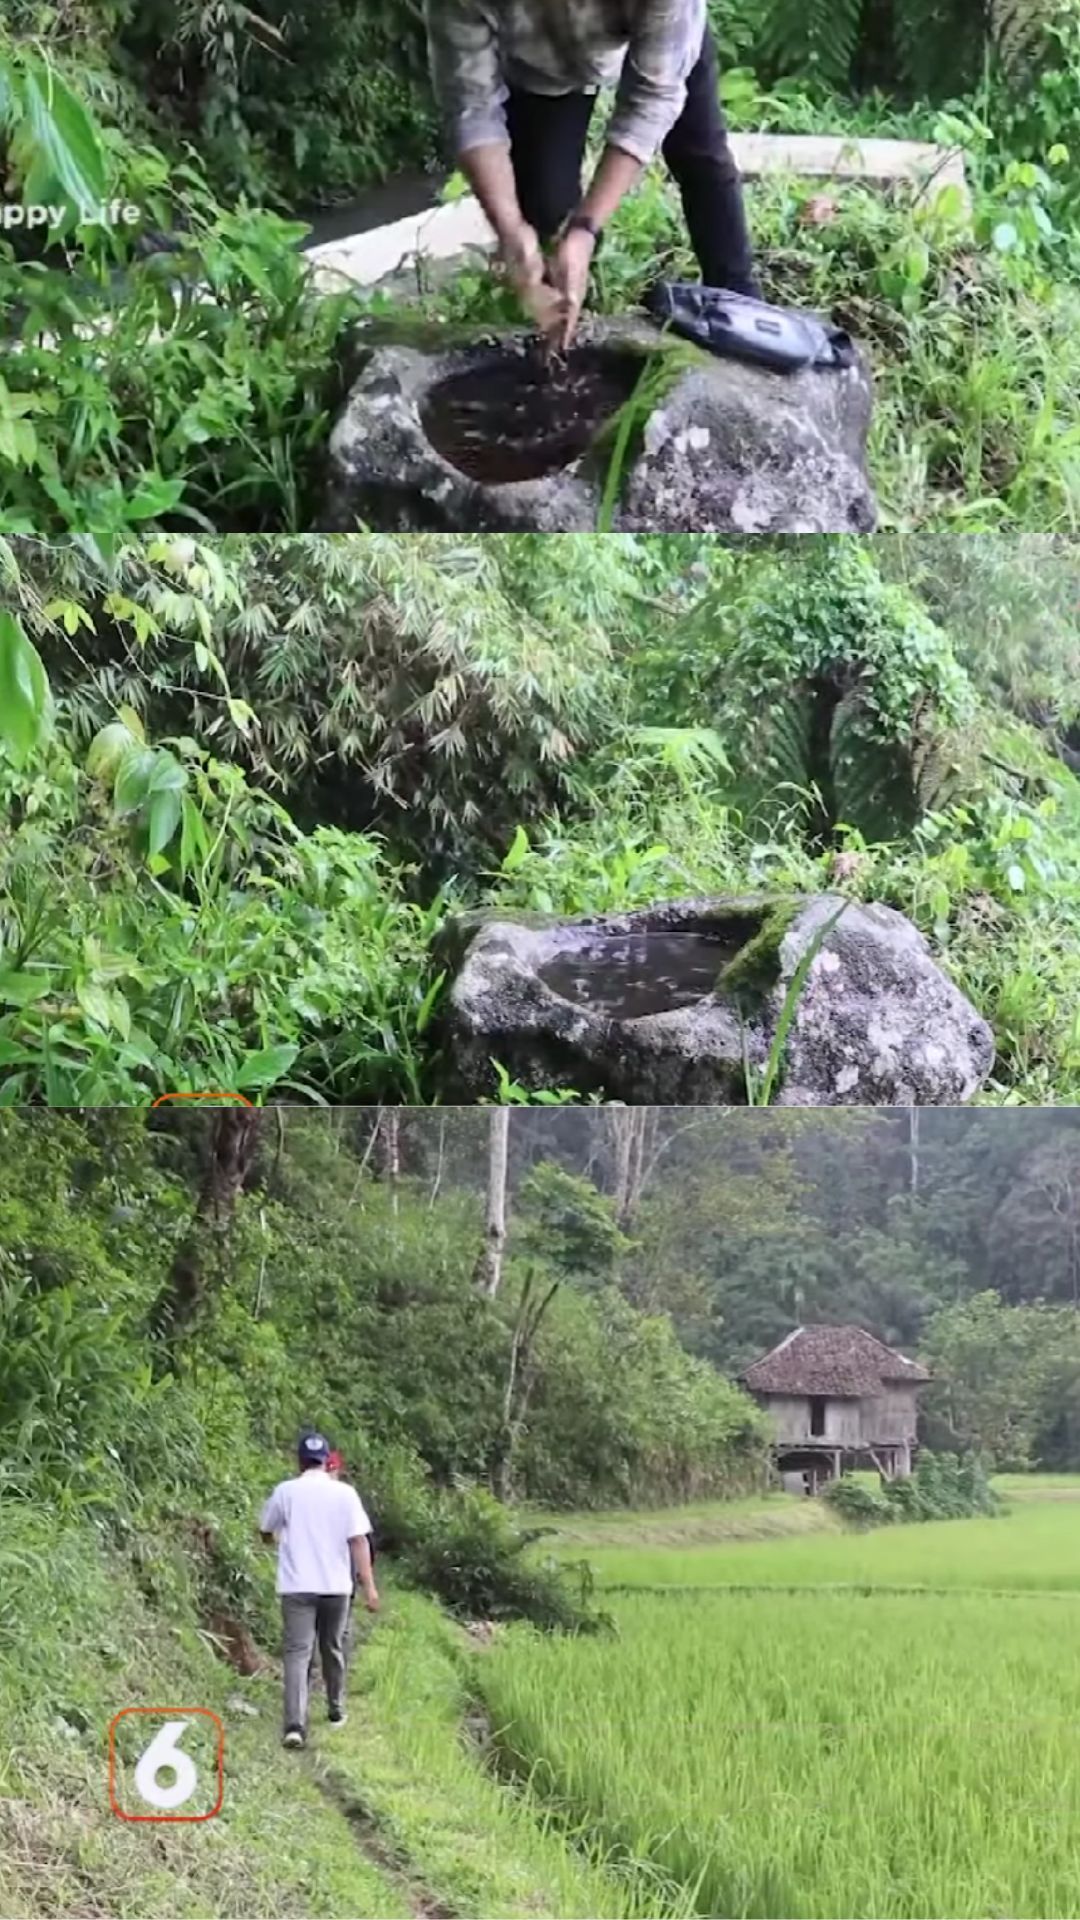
[{"x": 245, "y": 781}]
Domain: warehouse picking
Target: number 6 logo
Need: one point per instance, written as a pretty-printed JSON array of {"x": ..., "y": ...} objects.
[{"x": 166, "y": 1777}]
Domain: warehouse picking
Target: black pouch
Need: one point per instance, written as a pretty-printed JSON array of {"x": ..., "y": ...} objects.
[{"x": 739, "y": 328}]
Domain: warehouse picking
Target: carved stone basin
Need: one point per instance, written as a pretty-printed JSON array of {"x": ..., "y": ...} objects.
[
  {"x": 629, "y": 975},
  {"x": 513, "y": 415},
  {"x": 688, "y": 1001}
]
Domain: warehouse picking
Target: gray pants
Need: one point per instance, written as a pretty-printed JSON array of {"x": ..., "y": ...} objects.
[
  {"x": 307, "y": 1617},
  {"x": 314, "y": 1663}
]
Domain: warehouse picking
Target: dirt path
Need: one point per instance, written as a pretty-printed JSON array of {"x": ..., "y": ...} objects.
[{"x": 377, "y": 1846}]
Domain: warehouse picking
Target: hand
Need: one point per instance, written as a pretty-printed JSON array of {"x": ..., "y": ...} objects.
[
  {"x": 570, "y": 265},
  {"x": 371, "y": 1599},
  {"x": 524, "y": 264}
]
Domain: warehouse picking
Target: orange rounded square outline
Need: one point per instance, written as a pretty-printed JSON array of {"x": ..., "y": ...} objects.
[{"x": 174, "y": 1713}]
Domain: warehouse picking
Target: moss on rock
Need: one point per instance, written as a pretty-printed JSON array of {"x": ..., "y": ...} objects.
[{"x": 756, "y": 967}]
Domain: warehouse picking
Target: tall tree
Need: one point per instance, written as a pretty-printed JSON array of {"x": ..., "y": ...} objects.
[
  {"x": 232, "y": 1139},
  {"x": 489, "y": 1263}
]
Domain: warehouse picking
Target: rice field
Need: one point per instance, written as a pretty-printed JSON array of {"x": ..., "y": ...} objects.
[
  {"x": 825, "y": 1745},
  {"x": 1033, "y": 1548}
]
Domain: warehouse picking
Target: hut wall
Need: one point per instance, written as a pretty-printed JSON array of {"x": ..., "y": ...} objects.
[
  {"x": 892, "y": 1416},
  {"x": 791, "y": 1416}
]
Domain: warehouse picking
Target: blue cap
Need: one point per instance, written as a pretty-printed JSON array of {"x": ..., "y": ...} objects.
[{"x": 314, "y": 1451}]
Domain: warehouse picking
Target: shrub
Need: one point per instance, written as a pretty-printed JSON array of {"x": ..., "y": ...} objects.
[
  {"x": 248, "y": 956},
  {"x": 858, "y": 1506},
  {"x": 464, "y": 1547},
  {"x": 942, "y": 1487}
]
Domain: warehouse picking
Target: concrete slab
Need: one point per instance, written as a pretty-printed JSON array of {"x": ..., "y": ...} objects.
[{"x": 446, "y": 232}]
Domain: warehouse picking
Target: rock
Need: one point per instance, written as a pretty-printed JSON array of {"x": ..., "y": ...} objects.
[
  {"x": 671, "y": 1005},
  {"x": 482, "y": 437},
  {"x": 234, "y": 1704}
]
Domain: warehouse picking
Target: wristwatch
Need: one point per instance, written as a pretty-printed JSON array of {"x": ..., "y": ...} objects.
[{"x": 584, "y": 223}]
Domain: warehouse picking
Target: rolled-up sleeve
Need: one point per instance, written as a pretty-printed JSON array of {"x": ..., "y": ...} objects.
[
  {"x": 652, "y": 89},
  {"x": 465, "y": 72}
]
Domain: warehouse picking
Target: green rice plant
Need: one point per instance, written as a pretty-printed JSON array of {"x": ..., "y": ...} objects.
[
  {"x": 794, "y": 1754},
  {"x": 1036, "y": 1549}
]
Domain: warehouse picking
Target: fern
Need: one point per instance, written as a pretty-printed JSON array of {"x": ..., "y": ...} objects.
[
  {"x": 817, "y": 37},
  {"x": 935, "y": 51}
]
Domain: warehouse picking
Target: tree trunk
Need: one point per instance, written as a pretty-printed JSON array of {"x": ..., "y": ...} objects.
[
  {"x": 913, "y": 1147},
  {"x": 489, "y": 1264},
  {"x": 437, "y": 1181},
  {"x": 233, "y": 1138},
  {"x": 628, "y": 1127},
  {"x": 388, "y": 1151},
  {"x": 520, "y": 1380}
]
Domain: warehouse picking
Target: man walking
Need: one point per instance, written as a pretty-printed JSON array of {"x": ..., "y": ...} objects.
[
  {"x": 322, "y": 1537},
  {"x": 517, "y": 81}
]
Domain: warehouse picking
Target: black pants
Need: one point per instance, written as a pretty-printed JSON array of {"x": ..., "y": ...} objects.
[{"x": 547, "y": 147}]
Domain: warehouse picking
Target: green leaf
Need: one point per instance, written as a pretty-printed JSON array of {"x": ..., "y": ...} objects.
[
  {"x": 94, "y": 1002},
  {"x": 165, "y": 810},
  {"x": 194, "y": 844},
  {"x": 519, "y": 849},
  {"x": 107, "y": 750},
  {"x": 133, "y": 780},
  {"x": 64, "y": 136},
  {"x": 1016, "y": 878},
  {"x": 263, "y": 1068},
  {"x": 120, "y": 1013},
  {"x": 19, "y": 989},
  {"x": 168, "y": 775},
  {"x": 1005, "y": 236},
  {"x": 154, "y": 496},
  {"x": 427, "y": 1004},
  {"x": 25, "y": 703}
]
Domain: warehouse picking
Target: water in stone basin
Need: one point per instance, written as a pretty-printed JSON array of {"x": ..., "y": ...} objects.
[
  {"x": 627, "y": 975},
  {"x": 515, "y": 416}
]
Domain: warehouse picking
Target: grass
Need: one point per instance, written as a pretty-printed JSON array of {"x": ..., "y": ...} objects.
[
  {"x": 405, "y": 1759},
  {"x": 76, "y": 1645},
  {"x": 800, "y": 1754},
  {"x": 757, "y": 1517},
  {"x": 904, "y": 1749},
  {"x": 394, "y": 1816}
]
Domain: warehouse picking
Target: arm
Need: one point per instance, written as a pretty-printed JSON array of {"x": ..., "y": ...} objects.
[
  {"x": 652, "y": 87},
  {"x": 361, "y": 1560},
  {"x": 471, "y": 92},
  {"x": 272, "y": 1518},
  {"x": 463, "y": 53}
]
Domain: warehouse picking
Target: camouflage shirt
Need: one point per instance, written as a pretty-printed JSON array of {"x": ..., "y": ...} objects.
[{"x": 646, "y": 48}]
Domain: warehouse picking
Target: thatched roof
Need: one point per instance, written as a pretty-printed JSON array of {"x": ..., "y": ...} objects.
[{"x": 842, "y": 1362}]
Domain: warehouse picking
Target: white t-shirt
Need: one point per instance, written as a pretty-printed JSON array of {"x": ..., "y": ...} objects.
[{"x": 314, "y": 1518}]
